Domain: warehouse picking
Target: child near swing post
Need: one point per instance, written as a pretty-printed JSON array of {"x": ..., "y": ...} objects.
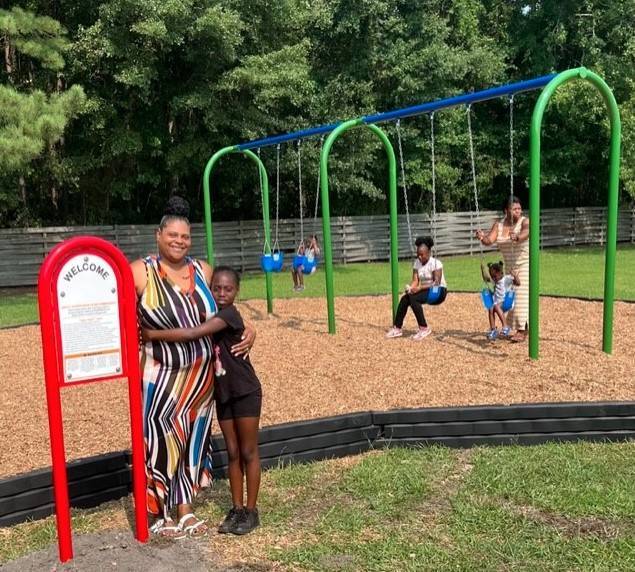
[
  {"x": 308, "y": 248},
  {"x": 502, "y": 284}
]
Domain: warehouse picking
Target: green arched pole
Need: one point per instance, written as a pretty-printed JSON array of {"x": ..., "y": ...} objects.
[
  {"x": 264, "y": 180},
  {"x": 534, "y": 206},
  {"x": 326, "y": 215}
]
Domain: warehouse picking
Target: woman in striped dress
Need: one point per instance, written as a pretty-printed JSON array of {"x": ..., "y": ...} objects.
[
  {"x": 178, "y": 380},
  {"x": 511, "y": 236}
]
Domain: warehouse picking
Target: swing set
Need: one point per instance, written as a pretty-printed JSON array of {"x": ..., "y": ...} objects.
[
  {"x": 548, "y": 84},
  {"x": 272, "y": 258}
]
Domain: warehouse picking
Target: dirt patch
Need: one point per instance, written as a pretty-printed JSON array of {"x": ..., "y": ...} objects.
[
  {"x": 118, "y": 551},
  {"x": 601, "y": 528},
  {"x": 439, "y": 502},
  {"x": 307, "y": 373}
]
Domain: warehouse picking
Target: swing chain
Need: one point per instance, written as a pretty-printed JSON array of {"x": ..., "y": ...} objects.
[
  {"x": 276, "y": 246},
  {"x": 403, "y": 184},
  {"x": 472, "y": 161},
  {"x": 511, "y": 165},
  {"x": 300, "y": 191},
  {"x": 317, "y": 192},
  {"x": 511, "y": 145},
  {"x": 434, "y": 183},
  {"x": 266, "y": 248}
]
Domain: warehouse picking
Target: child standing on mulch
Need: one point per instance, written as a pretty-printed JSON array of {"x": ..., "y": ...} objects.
[
  {"x": 238, "y": 396},
  {"x": 502, "y": 284}
]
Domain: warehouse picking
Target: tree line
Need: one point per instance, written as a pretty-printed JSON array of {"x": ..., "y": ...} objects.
[{"x": 109, "y": 107}]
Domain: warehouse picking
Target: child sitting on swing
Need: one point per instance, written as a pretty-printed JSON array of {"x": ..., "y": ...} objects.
[
  {"x": 308, "y": 248},
  {"x": 502, "y": 284}
]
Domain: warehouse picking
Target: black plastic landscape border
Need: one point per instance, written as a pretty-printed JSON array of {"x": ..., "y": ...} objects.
[{"x": 95, "y": 480}]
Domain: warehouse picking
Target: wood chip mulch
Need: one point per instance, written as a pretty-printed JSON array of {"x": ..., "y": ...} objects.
[{"x": 307, "y": 373}]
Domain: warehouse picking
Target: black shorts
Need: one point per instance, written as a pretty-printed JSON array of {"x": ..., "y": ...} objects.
[{"x": 248, "y": 405}]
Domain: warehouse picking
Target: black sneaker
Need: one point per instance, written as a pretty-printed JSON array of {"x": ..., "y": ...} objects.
[
  {"x": 232, "y": 518},
  {"x": 247, "y": 521}
]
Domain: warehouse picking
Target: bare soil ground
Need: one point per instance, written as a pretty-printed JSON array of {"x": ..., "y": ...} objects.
[
  {"x": 118, "y": 551},
  {"x": 307, "y": 373}
]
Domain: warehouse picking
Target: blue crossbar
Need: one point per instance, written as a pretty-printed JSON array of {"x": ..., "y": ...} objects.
[{"x": 466, "y": 99}]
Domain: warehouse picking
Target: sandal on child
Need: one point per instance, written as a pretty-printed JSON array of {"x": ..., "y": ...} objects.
[
  {"x": 196, "y": 530},
  {"x": 165, "y": 528}
]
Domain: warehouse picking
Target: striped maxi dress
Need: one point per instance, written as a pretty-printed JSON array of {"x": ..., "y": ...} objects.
[
  {"x": 178, "y": 385},
  {"x": 516, "y": 256}
]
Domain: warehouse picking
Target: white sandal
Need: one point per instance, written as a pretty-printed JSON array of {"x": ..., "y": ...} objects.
[
  {"x": 192, "y": 528},
  {"x": 165, "y": 528}
]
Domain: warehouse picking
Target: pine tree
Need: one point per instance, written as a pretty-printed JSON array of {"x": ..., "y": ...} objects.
[{"x": 34, "y": 107}]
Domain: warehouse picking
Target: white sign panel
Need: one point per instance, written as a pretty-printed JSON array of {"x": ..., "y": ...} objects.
[{"x": 89, "y": 318}]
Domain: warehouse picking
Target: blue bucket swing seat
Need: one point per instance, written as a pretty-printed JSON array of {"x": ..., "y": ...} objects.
[
  {"x": 310, "y": 263},
  {"x": 434, "y": 294},
  {"x": 267, "y": 262},
  {"x": 278, "y": 260},
  {"x": 508, "y": 301},
  {"x": 298, "y": 260},
  {"x": 487, "y": 297}
]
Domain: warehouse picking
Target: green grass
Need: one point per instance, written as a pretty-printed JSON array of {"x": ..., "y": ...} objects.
[
  {"x": 558, "y": 266},
  {"x": 600, "y": 481},
  {"x": 16, "y": 309},
  {"x": 545, "y": 508},
  {"x": 496, "y": 516}
]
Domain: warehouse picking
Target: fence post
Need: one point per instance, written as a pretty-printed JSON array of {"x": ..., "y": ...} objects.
[
  {"x": 344, "y": 242},
  {"x": 241, "y": 233},
  {"x": 342, "y": 232},
  {"x": 602, "y": 228},
  {"x": 575, "y": 226}
]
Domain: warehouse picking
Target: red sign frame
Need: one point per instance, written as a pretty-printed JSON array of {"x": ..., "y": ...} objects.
[{"x": 54, "y": 375}]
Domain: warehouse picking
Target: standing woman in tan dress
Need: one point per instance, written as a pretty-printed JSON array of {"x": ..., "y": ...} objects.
[{"x": 511, "y": 236}]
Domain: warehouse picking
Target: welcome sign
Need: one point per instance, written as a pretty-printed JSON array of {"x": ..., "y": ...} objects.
[
  {"x": 88, "y": 305},
  {"x": 88, "y": 321}
]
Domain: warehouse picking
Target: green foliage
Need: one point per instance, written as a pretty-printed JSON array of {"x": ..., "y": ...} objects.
[
  {"x": 38, "y": 37},
  {"x": 168, "y": 83},
  {"x": 31, "y": 122},
  {"x": 35, "y": 109}
]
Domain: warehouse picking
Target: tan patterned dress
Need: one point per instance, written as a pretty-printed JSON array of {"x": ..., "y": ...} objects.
[{"x": 516, "y": 256}]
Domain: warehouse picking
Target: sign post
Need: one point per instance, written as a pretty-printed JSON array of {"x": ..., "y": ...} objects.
[{"x": 89, "y": 333}]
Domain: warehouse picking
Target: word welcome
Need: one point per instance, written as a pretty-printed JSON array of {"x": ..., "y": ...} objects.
[{"x": 86, "y": 267}]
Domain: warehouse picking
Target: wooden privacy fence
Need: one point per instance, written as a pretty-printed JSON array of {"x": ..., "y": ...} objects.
[{"x": 355, "y": 239}]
